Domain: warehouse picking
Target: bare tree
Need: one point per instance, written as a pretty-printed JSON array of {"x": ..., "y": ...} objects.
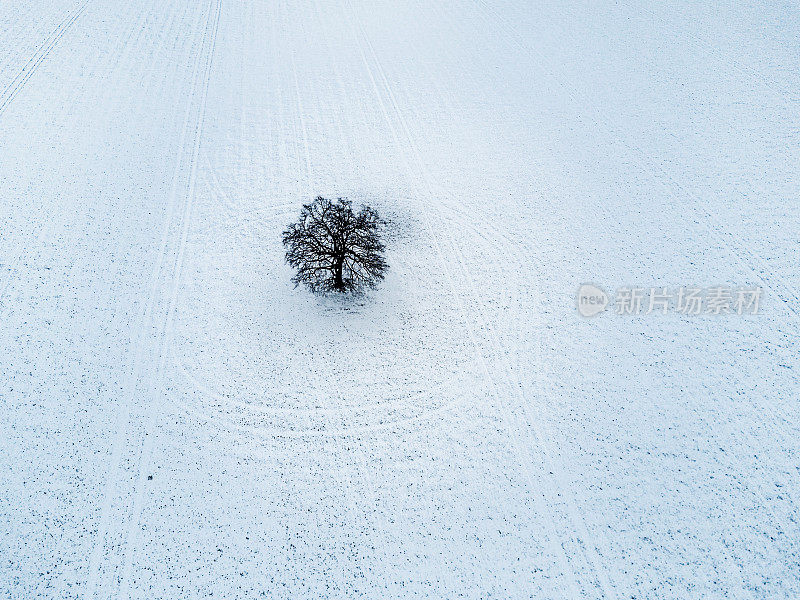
[{"x": 335, "y": 249}]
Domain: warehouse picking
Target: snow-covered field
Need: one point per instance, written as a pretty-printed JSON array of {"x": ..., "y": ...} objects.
[{"x": 179, "y": 422}]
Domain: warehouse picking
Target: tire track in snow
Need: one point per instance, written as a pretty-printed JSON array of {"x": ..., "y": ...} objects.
[
  {"x": 137, "y": 365},
  {"x": 362, "y": 39},
  {"x": 16, "y": 85},
  {"x": 409, "y": 424},
  {"x": 704, "y": 219},
  {"x": 517, "y": 388},
  {"x": 363, "y": 467},
  {"x": 250, "y": 415},
  {"x": 48, "y": 225},
  {"x": 121, "y": 56},
  {"x": 165, "y": 334},
  {"x": 502, "y": 246},
  {"x": 353, "y": 464},
  {"x": 777, "y": 522},
  {"x": 7, "y": 95},
  {"x": 345, "y": 471},
  {"x": 254, "y": 411},
  {"x": 354, "y": 458},
  {"x": 123, "y": 415},
  {"x": 777, "y": 420}
]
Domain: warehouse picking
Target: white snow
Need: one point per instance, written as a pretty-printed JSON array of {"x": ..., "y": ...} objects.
[{"x": 179, "y": 422}]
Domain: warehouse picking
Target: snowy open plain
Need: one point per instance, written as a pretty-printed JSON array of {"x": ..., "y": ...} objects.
[{"x": 178, "y": 421}]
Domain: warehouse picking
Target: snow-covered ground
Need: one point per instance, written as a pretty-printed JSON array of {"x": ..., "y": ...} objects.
[{"x": 178, "y": 422}]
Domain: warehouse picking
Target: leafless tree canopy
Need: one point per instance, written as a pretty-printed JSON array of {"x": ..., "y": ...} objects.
[{"x": 334, "y": 248}]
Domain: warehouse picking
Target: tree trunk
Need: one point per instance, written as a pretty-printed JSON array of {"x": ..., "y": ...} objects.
[{"x": 338, "y": 281}]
